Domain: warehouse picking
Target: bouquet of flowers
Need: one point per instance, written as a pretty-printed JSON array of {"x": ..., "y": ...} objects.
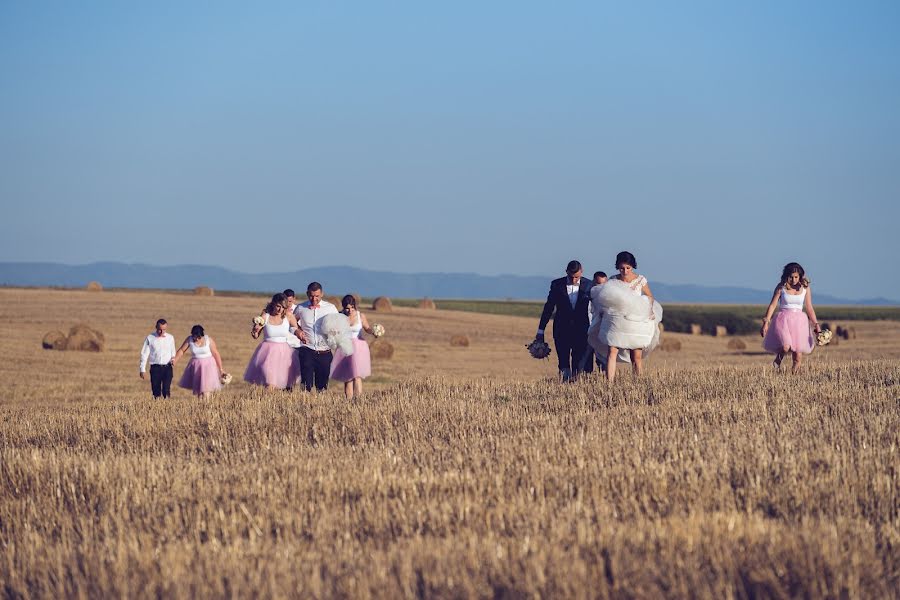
[
  {"x": 258, "y": 320},
  {"x": 378, "y": 330},
  {"x": 823, "y": 337},
  {"x": 538, "y": 349},
  {"x": 226, "y": 378}
]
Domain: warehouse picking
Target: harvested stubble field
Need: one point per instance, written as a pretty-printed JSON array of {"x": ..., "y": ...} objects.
[{"x": 463, "y": 471}]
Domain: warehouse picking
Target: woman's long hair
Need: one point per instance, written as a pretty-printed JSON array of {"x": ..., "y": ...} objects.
[
  {"x": 790, "y": 269},
  {"x": 277, "y": 299}
]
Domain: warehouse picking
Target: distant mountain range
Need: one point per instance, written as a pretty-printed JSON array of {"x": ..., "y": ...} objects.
[{"x": 339, "y": 280}]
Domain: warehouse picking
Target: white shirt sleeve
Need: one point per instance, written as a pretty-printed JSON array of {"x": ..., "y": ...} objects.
[{"x": 145, "y": 354}]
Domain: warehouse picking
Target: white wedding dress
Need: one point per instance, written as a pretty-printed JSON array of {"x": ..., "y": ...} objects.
[{"x": 621, "y": 318}]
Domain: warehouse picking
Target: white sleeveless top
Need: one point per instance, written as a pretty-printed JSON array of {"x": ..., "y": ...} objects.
[
  {"x": 791, "y": 301},
  {"x": 277, "y": 333},
  {"x": 356, "y": 330},
  {"x": 200, "y": 351}
]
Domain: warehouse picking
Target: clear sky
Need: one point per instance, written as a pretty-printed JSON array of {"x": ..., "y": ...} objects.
[{"x": 716, "y": 141}]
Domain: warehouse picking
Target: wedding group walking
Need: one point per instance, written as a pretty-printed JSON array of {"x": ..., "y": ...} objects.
[
  {"x": 617, "y": 320},
  {"x": 604, "y": 320},
  {"x": 306, "y": 344}
]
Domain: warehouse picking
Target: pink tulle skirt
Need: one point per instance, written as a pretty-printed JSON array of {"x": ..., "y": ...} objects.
[
  {"x": 201, "y": 376},
  {"x": 275, "y": 364},
  {"x": 789, "y": 328},
  {"x": 359, "y": 364}
]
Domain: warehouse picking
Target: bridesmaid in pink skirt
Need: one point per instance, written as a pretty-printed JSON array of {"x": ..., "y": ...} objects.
[
  {"x": 789, "y": 330},
  {"x": 203, "y": 374},
  {"x": 274, "y": 363},
  {"x": 356, "y": 367}
]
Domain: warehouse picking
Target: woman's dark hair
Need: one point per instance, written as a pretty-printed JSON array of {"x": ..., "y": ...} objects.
[
  {"x": 277, "y": 299},
  {"x": 197, "y": 332},
  {"x": 626, "y": 258},
  {"x": 573, "y": 267},
  {"x": 348, "y": 300},
  {"x": 790, "y": 269}
]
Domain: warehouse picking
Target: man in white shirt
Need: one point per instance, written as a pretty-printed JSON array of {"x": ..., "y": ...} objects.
[
  {"x": 159, "y": 350},
  {"x": 315, "y": 355}
]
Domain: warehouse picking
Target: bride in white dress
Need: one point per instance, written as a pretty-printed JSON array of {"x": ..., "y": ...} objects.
[{"x": 626, "y": 317}]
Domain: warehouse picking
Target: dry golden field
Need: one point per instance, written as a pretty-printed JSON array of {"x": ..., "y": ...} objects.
[{"x": 463, "y": 472}]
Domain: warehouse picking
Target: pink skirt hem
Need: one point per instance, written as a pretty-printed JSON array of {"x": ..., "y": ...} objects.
[
  {"x": 275, "y": 364},
  {"x": 359, "y": 364},
  {"x": 789, "y": 328},
  {"x": 201, "y": 376}
]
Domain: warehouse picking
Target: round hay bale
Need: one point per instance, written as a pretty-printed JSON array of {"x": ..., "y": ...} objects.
[
  {"x": 202, "y": 290},
  {"x": 721, "y": 331},
  {"x": 86, "y": 339},
  {"x": 382, "y": 304},
  {"x": 94, "y": 286},
  {"x": 670, "y": 345},
  {"x": 696, "y": 329},
  {"x": 736, "y": 344},
  {"x": 54, "y": 340},
  {"x": 459, "y": 341},
  {"x": 427, "y": 304},
  {"x": 336, "y": 300},
  {"x": 358, "y": 299},
  {"x": 381, "y": 350}
]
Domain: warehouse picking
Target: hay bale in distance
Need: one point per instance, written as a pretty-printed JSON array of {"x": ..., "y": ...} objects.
[
  {"x": 459, "y": 341},
  {"x": 721, "y": 331},
  {"x": 202, "y": 290},
  {"x": 382, "y": 304},
  {"x": 696, "y": 329},
  {"x": 670, "y": 345},
  {"x": 54, "y": 340},
  {"x": 94, "y": 286},
  {"x": 86, "y": 339},
  {"x": 427, "y": 304},
  {"x": 336, "y": 300},
  {"x": 381, "y": 350},
  {"x": 736, "y": 344}
]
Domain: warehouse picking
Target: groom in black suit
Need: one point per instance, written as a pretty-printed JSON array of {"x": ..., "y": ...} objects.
[{"x": 569, "y": 297}]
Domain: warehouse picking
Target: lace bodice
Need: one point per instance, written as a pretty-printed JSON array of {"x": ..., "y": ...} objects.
[{"x": 637, "y": 285}]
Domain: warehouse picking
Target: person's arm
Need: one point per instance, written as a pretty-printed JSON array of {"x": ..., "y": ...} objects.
[
  {"x": 545, "y": 314},
  {"x": 181, "y": 350},
  {"x": 145, "y": 354},
  {"x": 215, "y": 353},
  {"x": 365, "y": 324},
  {"x": 297, "y": 330},
  {"x": 646, "y": 291},
  {"x": 811, "y": 312},
  {"x": 769, "y": 312}
]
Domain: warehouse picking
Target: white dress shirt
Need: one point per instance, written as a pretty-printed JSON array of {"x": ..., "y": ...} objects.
[
  {"x": 310, "y": 321},
  {"x": 572, "y": 290},
  {"x": 159, "y": 349}
]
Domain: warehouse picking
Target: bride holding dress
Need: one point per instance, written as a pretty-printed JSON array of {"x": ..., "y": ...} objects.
[{"x": 626, "y": 317}]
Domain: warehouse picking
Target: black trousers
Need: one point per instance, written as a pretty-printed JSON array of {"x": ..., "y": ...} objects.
[
  {"x": 315, "y": 368},
  {"x": 570, "y": 349},
  {"x": 161, "y": 380}
]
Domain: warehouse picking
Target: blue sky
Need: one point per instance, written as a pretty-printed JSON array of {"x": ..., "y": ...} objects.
[{"x": 716, "y": 142}]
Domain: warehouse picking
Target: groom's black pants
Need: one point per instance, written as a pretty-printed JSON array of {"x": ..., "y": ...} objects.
[
  {"x": 570, "y": 349},
  {"x": 161, "y": 380}
]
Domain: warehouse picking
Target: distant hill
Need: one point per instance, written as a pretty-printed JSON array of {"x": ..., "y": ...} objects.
[{"x": 341, "y": 279}]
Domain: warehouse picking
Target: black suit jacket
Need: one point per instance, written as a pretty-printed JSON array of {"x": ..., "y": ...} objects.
[{"x": 568, "y": 321}]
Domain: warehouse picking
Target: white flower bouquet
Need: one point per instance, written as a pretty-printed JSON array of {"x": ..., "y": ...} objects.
[
  {"x": 258, "y": 320},
  {"x": 824, "y": 337},
  {"x": 226, "y": 378},
  {"x": 378, "y": 330}
]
